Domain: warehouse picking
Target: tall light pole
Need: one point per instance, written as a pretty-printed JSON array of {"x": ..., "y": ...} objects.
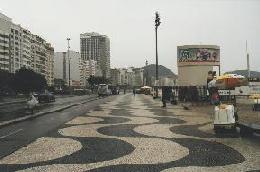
[
  {"x": 157, "y": 24},
  {"x": 248, "y": 63},
  {"x": 68, "y": 39},
  {"x": 146, "y": 73}
]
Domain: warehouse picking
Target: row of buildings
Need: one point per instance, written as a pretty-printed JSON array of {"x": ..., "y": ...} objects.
[
  {"x": 21, "y": 48},
  {"x": 81, "y": 70},
  {"x": 93, "y": 59},
  {"x": 131, "y": 76}
]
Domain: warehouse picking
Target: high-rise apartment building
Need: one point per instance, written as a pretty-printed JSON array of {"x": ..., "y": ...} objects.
[
  {"x": 49, "y": 75},
  {"x": 138, "y": 76},
  {"x": 20, "y": 48},
  {"x": 95, "y": 47},
  {"x": 61, "y": 67},
  {"x": 115, "y": 76},
  {"x": 87, "y": 68},
  {"x": 5, "y": 25}
]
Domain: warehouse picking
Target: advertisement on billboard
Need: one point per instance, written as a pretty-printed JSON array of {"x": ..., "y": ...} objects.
[{"x": 198, "y": 56}]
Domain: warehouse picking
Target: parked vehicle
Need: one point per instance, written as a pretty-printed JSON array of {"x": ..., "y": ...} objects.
[
  {"x": 146, "y": 90},
  {"x": 137, "y": 91},
  {"x": 45, "y": 97},
  {"x": 103, "y": 90}
]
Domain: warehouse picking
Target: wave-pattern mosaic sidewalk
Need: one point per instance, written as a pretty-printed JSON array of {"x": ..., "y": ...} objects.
[{"x": 133, "y": 133}]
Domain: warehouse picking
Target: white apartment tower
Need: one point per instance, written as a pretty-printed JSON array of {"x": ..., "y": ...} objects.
[
  {"x": 61, "y": 67},
  {"x": 95, "y": 47}
]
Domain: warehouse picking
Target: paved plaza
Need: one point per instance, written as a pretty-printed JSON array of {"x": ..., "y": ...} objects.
[{"x": 134, "y": 133}]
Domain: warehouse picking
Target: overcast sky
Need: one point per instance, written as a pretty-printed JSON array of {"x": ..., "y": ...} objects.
[{"x": 130, "y": 27}]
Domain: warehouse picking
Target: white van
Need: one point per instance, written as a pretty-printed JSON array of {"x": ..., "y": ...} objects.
[{"x": 103, "y": 90}]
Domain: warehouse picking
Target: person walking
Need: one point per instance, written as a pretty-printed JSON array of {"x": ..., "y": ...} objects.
[
  {"x": 166, "y": 95},
  {"x": 134, "y": 92},
  {"x": 32, "y": 102}
]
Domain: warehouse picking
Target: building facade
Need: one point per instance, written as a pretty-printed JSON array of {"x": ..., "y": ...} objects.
[
  {"x": 20, "y": 48},
  {"x": 61, "y": 67},
  {"x": 138, "y": 77},
  {"x": 87, "y": 68},
  {"x": 49, "y": 75},
  {"x": 95, "y": 53},
  {"x": 131, "y": 77},
  {"x": 5, "y": 26},
  {"x": 115, "y": 76}
]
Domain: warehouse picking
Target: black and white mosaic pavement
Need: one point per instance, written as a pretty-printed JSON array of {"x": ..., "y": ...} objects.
[{"x": 135, "y": 134}]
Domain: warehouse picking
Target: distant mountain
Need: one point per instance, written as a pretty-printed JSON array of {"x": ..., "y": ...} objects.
[
  {"x": 254, "y": 74},
  {"x": 162, "y": 71}
]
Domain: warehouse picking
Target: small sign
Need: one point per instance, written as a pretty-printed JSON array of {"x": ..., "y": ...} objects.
[
  {"x": 226, "y": 92},
  {"x": 254, "y": 79},
  {"x": 241, "y": 91}
]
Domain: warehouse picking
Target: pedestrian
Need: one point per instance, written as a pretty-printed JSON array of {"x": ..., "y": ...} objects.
[
  {"x": 166, "y": 95},
  {"x": 134, "y": 92},
  {"x": 32, "y": 102},
  {"x": 215, "y": 98}
]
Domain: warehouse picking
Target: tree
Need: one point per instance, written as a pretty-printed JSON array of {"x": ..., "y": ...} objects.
[
  {"x": 26, "y": 81},
  {"x": 59, "y": 83},
  {"x": 91, "y": 81},
  {"x": 96, "y": 80},
  {"x": 6, "y": 79}
]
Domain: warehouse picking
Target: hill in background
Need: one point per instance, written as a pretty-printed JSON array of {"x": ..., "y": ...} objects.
[
  {"x": 162, "y": 71},
  {"x": 254, "y": 74}
]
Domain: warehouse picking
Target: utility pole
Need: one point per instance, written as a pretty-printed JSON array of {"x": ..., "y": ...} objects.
[
  {"x": 157, "y": 24},
  {"x": 248, "y": 63},
  {"x": 68, "y": 39},
  {"x": 145, "y": 74}
]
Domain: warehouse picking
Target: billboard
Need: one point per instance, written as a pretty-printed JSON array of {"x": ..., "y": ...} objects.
[{"x": 198, "y": 55}]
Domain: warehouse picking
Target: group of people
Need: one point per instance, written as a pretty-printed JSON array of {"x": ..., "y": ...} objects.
[{"x": 167, "y": 95}]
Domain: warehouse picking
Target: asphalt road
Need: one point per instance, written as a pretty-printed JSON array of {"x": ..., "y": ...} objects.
[
  {"x": 19, "y": 134},
  {"x": 125, "y": 133},
  {"x": 17, "y": 110}
]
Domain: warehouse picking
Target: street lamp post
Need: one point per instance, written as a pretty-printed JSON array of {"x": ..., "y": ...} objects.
[
  {"x": 157, "y": 24},
  {"x": 68, "y": 39},
  {"x": 146, "y": 73}
]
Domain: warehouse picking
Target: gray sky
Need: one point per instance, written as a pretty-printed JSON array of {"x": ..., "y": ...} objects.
[{"x": 130, "y": 26}]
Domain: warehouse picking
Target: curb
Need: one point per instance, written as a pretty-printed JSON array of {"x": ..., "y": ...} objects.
[
  {"x": 5, "y": 123},
  {"x": 14, "y": 102},
  {"x": 24, "y": 101},
  {"x": 249, "y": 129}
]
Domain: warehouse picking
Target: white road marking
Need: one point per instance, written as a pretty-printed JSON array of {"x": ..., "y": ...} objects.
[{"x": 14, "y": 132}]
